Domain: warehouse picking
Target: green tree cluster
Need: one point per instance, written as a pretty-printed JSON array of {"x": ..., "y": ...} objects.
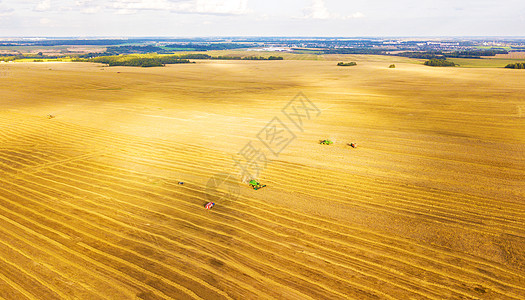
[
  {"x": 343, "y": 64},
  {"x": 29, "y": 56},
  {"x": 453, "y": 54},
  {"x": 137, "y": 61},
  {"x": 227, "y": 57},
  {"x": 439, "y": 63},
  {"x": 154, "y": 60},
  {"x": 516, "y": 66},
  {"x": 195, "y": 56}
]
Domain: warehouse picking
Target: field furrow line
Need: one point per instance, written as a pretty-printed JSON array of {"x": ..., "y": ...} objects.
[
  {"x": 52, "y": 274},
  {"x": 100, "y": 284},
  {"x": 15, "y": 287},
  {"x": 25, "y": 277},
  {"x": 136, "y": 282}
]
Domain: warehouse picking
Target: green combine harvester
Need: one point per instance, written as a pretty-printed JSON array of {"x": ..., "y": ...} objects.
[
  {"x": 326, "y": 142},
  {"x": 256, "y": 185}
]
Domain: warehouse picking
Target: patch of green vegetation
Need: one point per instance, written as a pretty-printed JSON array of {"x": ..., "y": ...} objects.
[
  {"x": 392, "y": 66},
  {"x": 484, "y": 62},
  {"x": 326, "y": 142},
  {"x": 145, "y": 61},
  {"x": 245, "y": 53},
  {"x": 248, "y": 57},
  {"x": 492, "y": 47},
  {"x": 479, "y": 53},
  {"x": 516, "y": 66},
  {"x": 155, "y": 60},
  {"x": 307, "y": 51},
  {"x": 37, "y": 59},
  {"x": 439, "y": 63},
  {"x": 348, "y": 64},
  {"x": 7, "y": 58}
]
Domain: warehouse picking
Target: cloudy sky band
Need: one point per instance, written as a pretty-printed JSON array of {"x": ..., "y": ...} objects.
[{"x": 268, "y": 18}]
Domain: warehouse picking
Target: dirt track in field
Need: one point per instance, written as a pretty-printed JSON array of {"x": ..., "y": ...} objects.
[{"x": 430, "y": 205}]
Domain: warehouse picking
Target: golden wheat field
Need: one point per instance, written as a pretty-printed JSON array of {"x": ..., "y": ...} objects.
[{"x": 430, "y": 205}]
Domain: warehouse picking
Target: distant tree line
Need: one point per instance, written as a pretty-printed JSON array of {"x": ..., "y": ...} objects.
[
  {"x": 137, "y": 61},
  {"x": 343, "y": 64},
  {"x": 423, "y": 55},
  {"x": 516, "y": 66},
  {"x": 161, "y": 60},
  {"x": 434, "y": 62},
  {"x": 475, "y": 53},
  {"x": 454, "y": 54},
  {"x": 7, "y": 58},
  {"x": 262, "y": 58},
  {"x": 28, "y": 56},
  {"x": 228, "y": 57}
]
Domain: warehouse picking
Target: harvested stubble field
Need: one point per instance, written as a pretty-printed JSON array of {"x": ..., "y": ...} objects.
[{"x": 430, "y": 205}]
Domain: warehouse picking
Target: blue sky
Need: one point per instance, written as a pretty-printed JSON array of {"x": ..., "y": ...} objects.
[{"x": 261, "y": 18}]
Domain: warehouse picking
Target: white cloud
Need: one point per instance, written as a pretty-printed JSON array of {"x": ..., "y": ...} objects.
[
  {"x": 88, "y": 6},
  {"x": 5, "y": 10},
  {"x": 92, "y": 10},
  {"x": 45, "y": 21},
  {"x": 269, "y": 17},
  {"x": 220, "y": 7},
  {"x": 43, "y": 5},
  {"x": 262, "y": 17},
  {"x": 132, "y": 5},
  {"x": 357, "y": 15},
  {"x": 318, "y": 10}
]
